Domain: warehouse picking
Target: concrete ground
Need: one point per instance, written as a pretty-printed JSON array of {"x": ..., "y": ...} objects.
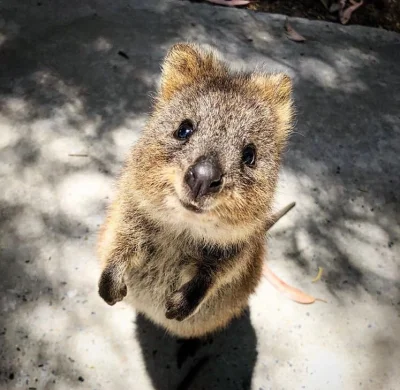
[{"x": 66, "y": 89}]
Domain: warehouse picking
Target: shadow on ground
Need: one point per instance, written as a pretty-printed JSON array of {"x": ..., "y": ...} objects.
[
  {"x": 222, "y": 361},
  {"x": 80, "y": 83}
]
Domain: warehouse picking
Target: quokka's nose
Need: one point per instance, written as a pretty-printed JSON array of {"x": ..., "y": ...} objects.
[{"x": 204, "y": 177}]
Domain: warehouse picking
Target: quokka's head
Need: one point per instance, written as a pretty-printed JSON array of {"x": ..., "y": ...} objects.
[{"x": 210, "y": 153}]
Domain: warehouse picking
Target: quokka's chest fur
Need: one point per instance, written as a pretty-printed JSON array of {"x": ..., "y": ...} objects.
[
  {"x": 168, "y": 261},
  {"x": 166, "y": 266}
]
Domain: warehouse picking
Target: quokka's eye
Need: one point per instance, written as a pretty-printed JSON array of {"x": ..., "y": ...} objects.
[
  {"x": 185, "y": 130},
  {"x": 249, "y": 155}
]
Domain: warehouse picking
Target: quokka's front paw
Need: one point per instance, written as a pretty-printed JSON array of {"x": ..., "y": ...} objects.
[
  {"x": 184, "y": 302},
  {"x": 111, "y": 287},
  {"x": 178, "y": 306}
]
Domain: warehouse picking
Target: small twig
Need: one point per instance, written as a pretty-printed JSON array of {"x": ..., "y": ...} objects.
[
  {"x": 123, "y": 54},
  {"x": 278, "y": 215},
  {"x": 77, "y": 155}
]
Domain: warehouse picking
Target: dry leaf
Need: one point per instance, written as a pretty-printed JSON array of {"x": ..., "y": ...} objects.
[
  {"x": 318, "y": 277},
  {"x": 292, "y": 33},
  {"x": 345, "y": 14},
  {"x": 293, "y": 293},
  {"x": 232, "y": 3}
]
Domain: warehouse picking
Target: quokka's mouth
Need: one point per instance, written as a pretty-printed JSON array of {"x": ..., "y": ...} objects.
[{"x": 191, "y": 207}]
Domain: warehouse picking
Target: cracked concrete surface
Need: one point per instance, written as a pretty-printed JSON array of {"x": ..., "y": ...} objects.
[{"x": 76, "y": 78}]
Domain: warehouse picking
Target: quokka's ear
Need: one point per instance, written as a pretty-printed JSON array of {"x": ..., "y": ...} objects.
[
  {"x": 184, "y": 64},
  {"x": 276, "y": 89}
]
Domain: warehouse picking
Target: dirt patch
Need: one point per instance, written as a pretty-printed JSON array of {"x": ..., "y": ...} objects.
[{"x": 373, "y": 13}]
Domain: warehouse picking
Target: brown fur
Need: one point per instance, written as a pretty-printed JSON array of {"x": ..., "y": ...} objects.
[{"x": 193, "y": 272}]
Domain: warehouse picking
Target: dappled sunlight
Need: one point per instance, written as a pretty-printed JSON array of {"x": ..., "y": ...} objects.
[
  {"x": 8, "y": 30},
  {"x": 102, "y": 44},
  {"x": 70, "y": 109},
  {"x": 126, "y": 135},
  {"x": 60, "y": 149},
  {"x": 78, "y": 194},
  {"x": 28, "y": 226},
  {"x": 14, "y": 108},
  {"x": 9, "y": 137},
  {"x": 339, "y": 228},
  {"x": 326, "y": 74},
  {"x": 326, "y": 331},
  {"x": 57, "y": 305}
]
